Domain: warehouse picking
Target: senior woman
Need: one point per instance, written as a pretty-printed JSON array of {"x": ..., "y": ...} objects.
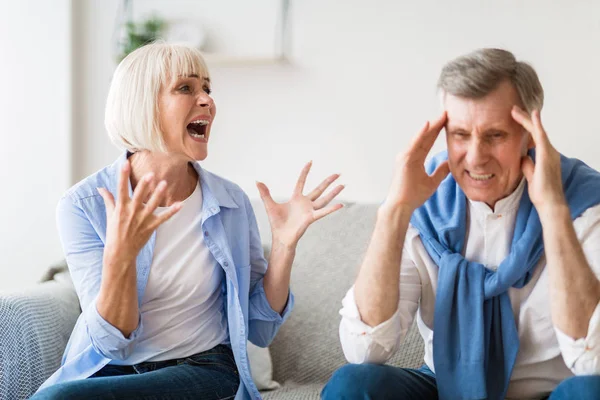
[{"x": 165, "y": 256}]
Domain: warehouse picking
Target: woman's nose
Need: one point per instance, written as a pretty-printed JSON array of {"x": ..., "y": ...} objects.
[{"x": 204, "y": 100}]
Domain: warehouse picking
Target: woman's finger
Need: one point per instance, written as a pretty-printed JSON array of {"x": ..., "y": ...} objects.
[
  {"x": 326, "y": 211},
  {"x": 109, "y": 200},
  {"x": 142, "y": 189},
  {"x": 318, "y": 191},
  {"x": 302, "y": 179},
  {"x": 166, "y": 215},
  {"x": 156, "y": 197},
  {"x": 265, "y": 195},
  {"x": 123, "y": 186},
  {"x": 322, "y": 202}
]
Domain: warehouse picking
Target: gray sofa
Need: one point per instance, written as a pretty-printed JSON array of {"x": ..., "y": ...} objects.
[{"x": 35, "y": 324}]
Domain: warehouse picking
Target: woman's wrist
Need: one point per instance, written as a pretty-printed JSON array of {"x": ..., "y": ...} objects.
[
  {"x": 114, "y": 261},
  {"x": 283, "y": 245}
]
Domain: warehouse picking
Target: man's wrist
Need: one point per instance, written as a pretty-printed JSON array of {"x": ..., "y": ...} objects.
[
  {"x": 398, "y": 213},
  {"x": 553, "y": 213}
]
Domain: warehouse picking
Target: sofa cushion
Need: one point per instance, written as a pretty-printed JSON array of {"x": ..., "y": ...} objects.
[
  {"x": 295, "y": 392},
  {"x": 261, "y": 367},
  {"x": 35, "y": 325}
]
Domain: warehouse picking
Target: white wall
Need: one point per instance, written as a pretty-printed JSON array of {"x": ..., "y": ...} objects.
[
  {"x": 35, "y": 150},
  {"x": 361, "y": 83}
]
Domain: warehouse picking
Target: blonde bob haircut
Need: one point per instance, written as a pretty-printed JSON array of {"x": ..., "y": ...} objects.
[{"x": 132, "y": 115}]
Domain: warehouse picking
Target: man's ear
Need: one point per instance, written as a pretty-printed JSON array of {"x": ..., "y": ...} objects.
[{"x": 530, "y": 141}]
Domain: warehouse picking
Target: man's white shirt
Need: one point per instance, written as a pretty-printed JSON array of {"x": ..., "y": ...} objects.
[{"x": 546, "y": 355}]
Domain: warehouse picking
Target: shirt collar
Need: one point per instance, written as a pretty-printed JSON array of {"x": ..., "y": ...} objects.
[
  {"x": 212, "y": 186},
  {"x": 502, "y": 206}
]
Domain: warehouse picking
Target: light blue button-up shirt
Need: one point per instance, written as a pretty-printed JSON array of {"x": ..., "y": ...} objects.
[{"x": 231, "y": 234}]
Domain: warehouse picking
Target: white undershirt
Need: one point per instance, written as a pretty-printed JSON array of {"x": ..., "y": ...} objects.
[
  {"x": 546, "y": 355},
  {"x": 182, "y": 308}
]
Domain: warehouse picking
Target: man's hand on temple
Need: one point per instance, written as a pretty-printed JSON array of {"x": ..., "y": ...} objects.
[
  {"x": 544, "y": 177},
  {"x": 411, "y": 185}
]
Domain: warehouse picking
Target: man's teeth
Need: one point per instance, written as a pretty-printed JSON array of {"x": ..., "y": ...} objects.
[{"x": 480, "y": 177}]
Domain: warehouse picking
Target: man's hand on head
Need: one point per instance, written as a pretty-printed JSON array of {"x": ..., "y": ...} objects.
[
  {"x": 411, "y": 185},
  {"x": 544, "y": 177}
]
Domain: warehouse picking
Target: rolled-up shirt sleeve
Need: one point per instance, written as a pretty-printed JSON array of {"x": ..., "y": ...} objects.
[
  {"x": 108, "y": 340},
  {"x": 84, "y": 251},
  {"x": 264, "y": 322},
  {"x": 582, "y": 356},
  {"x": 362, "y": 343}
]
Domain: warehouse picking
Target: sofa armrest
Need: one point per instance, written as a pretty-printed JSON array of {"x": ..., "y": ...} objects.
[{"x": 35, "y": 326}]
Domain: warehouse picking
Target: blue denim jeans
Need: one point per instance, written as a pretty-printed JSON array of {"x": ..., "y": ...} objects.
[
  {"x": 380, "y": 382},
  {"x": 208, "y": 375},
  {"x": 582, "y": 387},
  {"x": 375, "y": 381}
]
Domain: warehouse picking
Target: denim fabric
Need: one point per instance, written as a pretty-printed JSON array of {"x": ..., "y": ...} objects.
[
  {"x": 583, "y": 387},
  {"x": 208, "y": 375},
  {"x": 380, "y": 382},
  {"x": 374, "y": 381}
]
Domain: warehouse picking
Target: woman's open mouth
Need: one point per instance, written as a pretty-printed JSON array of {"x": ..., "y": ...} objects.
[{"x": 197, "y": 130}]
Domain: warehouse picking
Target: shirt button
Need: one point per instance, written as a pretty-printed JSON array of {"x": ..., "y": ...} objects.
[
  {"x": 226, "y": 264},
  {"x": 205, "y": 233}
]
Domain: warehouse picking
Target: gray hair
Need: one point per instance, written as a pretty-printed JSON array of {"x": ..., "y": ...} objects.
[{"x": 476, "y": 74}]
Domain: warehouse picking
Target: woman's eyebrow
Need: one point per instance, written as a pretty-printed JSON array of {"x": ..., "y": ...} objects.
[{"x": 196, "y": 76}]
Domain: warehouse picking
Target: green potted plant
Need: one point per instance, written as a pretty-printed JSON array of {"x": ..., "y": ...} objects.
[{"x": 139, "y": 34}]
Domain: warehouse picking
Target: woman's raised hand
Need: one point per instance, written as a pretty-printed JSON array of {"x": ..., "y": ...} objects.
[{"x": 130, "y": 221}]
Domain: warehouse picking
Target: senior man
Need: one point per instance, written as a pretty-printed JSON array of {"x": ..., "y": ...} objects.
[{"x": 494, "y": 245}]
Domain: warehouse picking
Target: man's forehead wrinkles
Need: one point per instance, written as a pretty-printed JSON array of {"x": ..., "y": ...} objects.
[{"x": 480, "y": 127}]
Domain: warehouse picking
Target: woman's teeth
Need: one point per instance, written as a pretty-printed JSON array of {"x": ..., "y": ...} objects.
[
  {"x": 200, "y": 122},
  {"x": 196, "y": 135},
  {"x": 199, "y": 125},
  {"x": 480, "y": 177}
]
